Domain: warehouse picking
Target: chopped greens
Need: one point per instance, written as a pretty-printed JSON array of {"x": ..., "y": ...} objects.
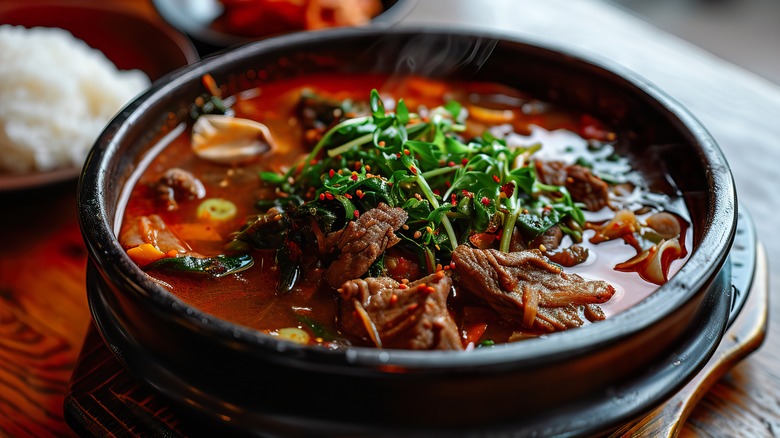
[
  {"x": 451, "y": 187},
  {"x": 317, "y": 328},
  {"x": 218, "y": 266},
  {"x": 207, "y": 104}
]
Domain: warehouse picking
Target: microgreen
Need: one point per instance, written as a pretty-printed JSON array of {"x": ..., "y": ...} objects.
[{"x": 451, "y": 187}]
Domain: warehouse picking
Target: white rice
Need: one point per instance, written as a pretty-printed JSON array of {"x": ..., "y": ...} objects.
[{"x": 56, "y": 95}]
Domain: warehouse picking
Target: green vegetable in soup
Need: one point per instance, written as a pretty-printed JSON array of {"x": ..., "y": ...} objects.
[
  {"x": 450, "y": 187},
  {"x": 218, "y": 266}
]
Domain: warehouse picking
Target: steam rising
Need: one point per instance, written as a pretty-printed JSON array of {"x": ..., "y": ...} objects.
[{"x": 432, "y": 55}]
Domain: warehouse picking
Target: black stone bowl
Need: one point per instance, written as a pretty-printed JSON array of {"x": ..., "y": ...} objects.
[{"x": 582, "y": 381}]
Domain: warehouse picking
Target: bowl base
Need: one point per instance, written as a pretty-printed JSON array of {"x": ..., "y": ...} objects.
[{"x": 104, "y": 399}]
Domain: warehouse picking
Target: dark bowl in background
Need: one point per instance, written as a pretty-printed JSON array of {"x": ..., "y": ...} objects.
[
  {"x": 582, "y": 381},
  {"x": 194, "y": 19}
]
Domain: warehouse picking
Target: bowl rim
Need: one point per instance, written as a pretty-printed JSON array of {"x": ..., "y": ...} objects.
[{"x": 705, "y": 260}]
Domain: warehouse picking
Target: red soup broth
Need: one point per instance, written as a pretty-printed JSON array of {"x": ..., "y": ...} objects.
[{"x": 249, "y": 298}]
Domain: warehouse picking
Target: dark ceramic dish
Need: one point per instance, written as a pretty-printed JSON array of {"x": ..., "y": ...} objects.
[
  {"x": 194, "y": 18},
  {"x": 575, "y": 382}
]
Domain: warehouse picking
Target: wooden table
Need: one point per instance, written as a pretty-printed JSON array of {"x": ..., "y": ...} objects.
[{"x": 43, "y": 310}]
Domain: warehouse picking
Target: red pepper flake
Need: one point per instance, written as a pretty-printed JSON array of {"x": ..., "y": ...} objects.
[
  {"x": 359, "y": 193},
  {"x": 368, "y": 168},
  {"x": 313, "y": 162},
  {"x": 439, "y": 272},
  {"x": 436, "y": 192},
  {"x": 485, "y": 201},
  {"x": 451, "y": 164},
  {"x": 354, "y": 176},
  {"x": 413, "y": 169},
  {"x": 508, "y": 189},
  {"x": 347, "y": 195},
  {"x": 340, "y": 172},
  {"x": 356, "y": 213},
  {"x": 464, "y": 161},
  {"x": 407, "y": 152},
  {"x": 496, "y": 179},
  {"x": 430, "y": 289},
  {"x": 331, "y": 173},
  {"x": 381, "y": 143},
  {"x": 448, "y": 183},
  {"x": 393, "y": 299},
  {"x": 467, "y": 194},
  {"x": 398, "y": 155},
  {"x": 422, "y": 287},
  {"x": 322, "y": 196},
  {"x": 329, "y": 196},
  {"x": 452, "y": 265},
  {"x": 453, "y": 199},
  {"x": 402, "y": 286}
]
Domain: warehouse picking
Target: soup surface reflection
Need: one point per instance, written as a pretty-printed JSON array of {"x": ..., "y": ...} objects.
[{"x": 404, "y": 213}]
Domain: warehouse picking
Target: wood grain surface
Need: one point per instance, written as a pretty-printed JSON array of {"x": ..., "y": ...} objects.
[{"x": 43, "y": 308}]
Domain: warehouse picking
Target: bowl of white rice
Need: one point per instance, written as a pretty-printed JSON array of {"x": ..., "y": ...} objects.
[{"x": 58, "y": 92}]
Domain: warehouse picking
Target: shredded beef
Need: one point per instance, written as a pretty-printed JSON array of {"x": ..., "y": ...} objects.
[
  {"x": 586, "y": 187},
  {"x": 551, "y": 238},
  {"x": 583, "y": 185},
  {"x": 551, "y": 172},
  {"x": 525, "y": 287},
  {"x": 178, "y": 184},
  {"x": 568, "y": 257},
  {"x": 362, "y": 241},
  {"x": 393, "y": 315}
]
